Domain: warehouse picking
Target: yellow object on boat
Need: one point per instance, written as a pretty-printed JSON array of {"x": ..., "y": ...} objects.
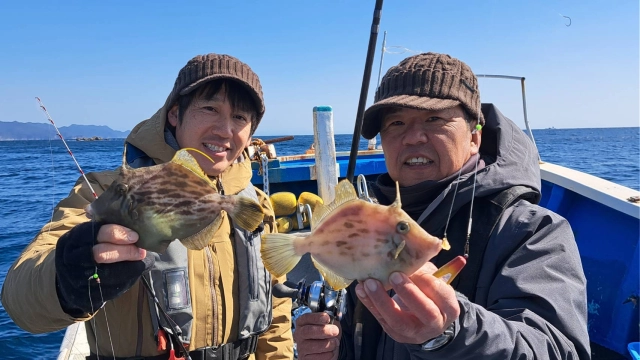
[
  {"x": 309, "y": 198},
  {"x": 284, "y": 203}
]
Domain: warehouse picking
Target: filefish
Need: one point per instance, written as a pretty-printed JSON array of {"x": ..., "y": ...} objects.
[
  {"x": 171, "y": 201},
  {"x": 353, "y": 239}
]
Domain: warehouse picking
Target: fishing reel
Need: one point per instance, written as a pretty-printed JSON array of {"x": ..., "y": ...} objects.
[{"x": 316, "y": 297}]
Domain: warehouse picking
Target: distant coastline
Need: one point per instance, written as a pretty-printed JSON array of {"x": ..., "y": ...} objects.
[{"x": 14, "y": 130}]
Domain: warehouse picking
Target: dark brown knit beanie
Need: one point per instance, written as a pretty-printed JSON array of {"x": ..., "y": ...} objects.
[
  {"x": 204, "y": 68},
  {"x": 427, "y": 81}
]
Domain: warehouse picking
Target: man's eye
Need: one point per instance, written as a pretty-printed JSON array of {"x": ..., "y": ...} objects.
[
  {"x": 210, "y": 108},
  {"x": 241, "y": 118},
  {"x": 432, "y": 119}
]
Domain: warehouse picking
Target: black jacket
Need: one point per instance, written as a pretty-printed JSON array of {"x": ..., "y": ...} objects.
[{"x": 529, "y": 300}]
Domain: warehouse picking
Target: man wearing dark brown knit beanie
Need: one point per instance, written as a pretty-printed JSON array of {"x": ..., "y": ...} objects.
[
  {"x": 213, "y": 303},
  {"x": 470, "y": 175}
]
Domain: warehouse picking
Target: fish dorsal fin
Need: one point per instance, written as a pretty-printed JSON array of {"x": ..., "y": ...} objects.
[
  {"x": 345, "y": 192},
  {"x": 183, "y": 158},
  {"x": 125, "y": 165},
  {"x": 397, "y": 203}
]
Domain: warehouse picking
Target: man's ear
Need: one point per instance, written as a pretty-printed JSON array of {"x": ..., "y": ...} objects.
[
  {"x": 172, "y": 115},
  {"x": 476, "y": 140}
]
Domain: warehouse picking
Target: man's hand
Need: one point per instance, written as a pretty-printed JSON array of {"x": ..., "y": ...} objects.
[
  {"x": 92, "y": 248},
  {"x": 116, "y": 243},
  {"x": 317, "y": 337},
  {"x": 423, "y": 307}
]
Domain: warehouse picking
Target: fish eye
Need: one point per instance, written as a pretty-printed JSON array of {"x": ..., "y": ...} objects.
[
  {"x": 402, "y": 227},
  {"x": 122, "y": 188}
]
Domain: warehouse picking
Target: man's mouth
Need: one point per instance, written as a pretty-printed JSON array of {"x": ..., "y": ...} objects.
[
  {"x": 417, "y": 161},
  {"x": 215, "y": 148}
]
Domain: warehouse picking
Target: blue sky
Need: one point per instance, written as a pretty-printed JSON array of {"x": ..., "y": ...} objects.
[{"x": 114, "y": 62}]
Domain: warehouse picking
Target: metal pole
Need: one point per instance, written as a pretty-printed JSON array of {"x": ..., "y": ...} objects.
[
  {"x": 372, "y": 141},
  {"x": 524, "y": 101},
  {"x": 355, "y": 143},
  {"x": 384, "y": 42},
  {"x": 526, "y": 121}
]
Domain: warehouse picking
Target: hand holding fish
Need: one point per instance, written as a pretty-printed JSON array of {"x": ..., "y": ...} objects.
[
  {"x": 317, "y": 336},
  {"x": 116, "y": 243},
  {"x": 174, "y": 200},
  {"x": 89, "y": 250},
  {"x": 423, "y": 307}
]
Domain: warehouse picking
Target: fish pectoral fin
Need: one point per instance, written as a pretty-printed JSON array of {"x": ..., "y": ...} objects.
[
  {"x": 200, "y": 240},
  {"x": 278, "y": 253},
  {"x": 246, "y": 213},
  {"x": 399, "y": 249},
  {"x": 334, "y": 280}
]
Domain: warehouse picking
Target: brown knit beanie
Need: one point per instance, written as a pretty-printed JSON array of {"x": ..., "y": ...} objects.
[
  {"x": 427, "y": 81},
  {"x": 204, "y": 68}
]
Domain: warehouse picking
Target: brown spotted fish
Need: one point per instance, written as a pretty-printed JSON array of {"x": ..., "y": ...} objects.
[
  {"x": 352, "y": 239},
  {"x": 171, "y": 201}
]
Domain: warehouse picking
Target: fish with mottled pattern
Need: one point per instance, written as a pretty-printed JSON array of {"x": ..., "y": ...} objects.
[
  {"x": 352, "y": 239},
  {"x": 171, "y": 201}
]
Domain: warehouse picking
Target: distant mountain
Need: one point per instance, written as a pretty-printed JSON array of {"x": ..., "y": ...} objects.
[{"x": 40, "y": 131}]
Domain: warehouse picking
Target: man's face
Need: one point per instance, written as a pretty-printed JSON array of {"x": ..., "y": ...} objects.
[
  {"x": 422, "y": 145},
  {"x": 214, "y": 128}
]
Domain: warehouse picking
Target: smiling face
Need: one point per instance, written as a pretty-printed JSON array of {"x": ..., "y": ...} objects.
[
  {"x": 422, "y": 145},
  {"x": 212, "y": 125}
]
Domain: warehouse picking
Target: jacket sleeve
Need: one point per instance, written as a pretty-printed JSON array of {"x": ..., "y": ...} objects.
[
  {"x": 29, "y": 291},
  {"x": 535, "y": 292},
  {"x": 277, "y": 341}
]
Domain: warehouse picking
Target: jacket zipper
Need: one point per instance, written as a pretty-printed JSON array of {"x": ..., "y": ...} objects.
[
  {"x": 253, "y": 266},
  {"x": 214, "y": 303}
]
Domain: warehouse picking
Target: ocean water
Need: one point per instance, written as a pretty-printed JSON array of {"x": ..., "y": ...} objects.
[{"x": 35, "y": 175}]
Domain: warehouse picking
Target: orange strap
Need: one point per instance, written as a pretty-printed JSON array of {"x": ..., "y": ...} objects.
[{"x": 162, "y": 340}]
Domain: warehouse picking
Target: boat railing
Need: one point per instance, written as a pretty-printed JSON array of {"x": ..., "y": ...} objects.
[{"x": 524, "y": 100}]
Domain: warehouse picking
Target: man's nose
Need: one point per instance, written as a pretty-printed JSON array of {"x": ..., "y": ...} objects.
[
  {"x": 415, "y": 135},
  {"x": 223, "y": 127}
]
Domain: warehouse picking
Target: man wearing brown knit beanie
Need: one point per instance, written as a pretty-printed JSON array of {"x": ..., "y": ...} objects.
[
  {"x": 213, "y": 303},
  {"x": 470, "y": 175}
]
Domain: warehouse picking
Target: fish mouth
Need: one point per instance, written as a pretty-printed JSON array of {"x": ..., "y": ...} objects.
[{"x": 418, "y": 161}]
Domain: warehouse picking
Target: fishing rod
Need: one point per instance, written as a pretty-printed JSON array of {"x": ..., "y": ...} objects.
[
  {"x": 65, "y": 144},
  {"x": 95, "y": 276},
  {"x": 373, "y": 38}
]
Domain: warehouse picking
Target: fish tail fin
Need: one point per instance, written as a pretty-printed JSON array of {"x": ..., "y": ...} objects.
[
  {"x": 278, "y": 253},
  {"x": 247, "y": 213}
]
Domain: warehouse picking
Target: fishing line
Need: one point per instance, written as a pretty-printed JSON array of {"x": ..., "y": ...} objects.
[
  {"x": 455, "y": 192},
  {"x": 473, "y": 195}
]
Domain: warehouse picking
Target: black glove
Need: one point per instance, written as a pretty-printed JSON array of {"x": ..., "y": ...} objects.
[{"x": 75, "y": 265}]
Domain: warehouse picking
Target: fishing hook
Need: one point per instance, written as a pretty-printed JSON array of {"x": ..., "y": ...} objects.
[{"x": 569, "y": 24}]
